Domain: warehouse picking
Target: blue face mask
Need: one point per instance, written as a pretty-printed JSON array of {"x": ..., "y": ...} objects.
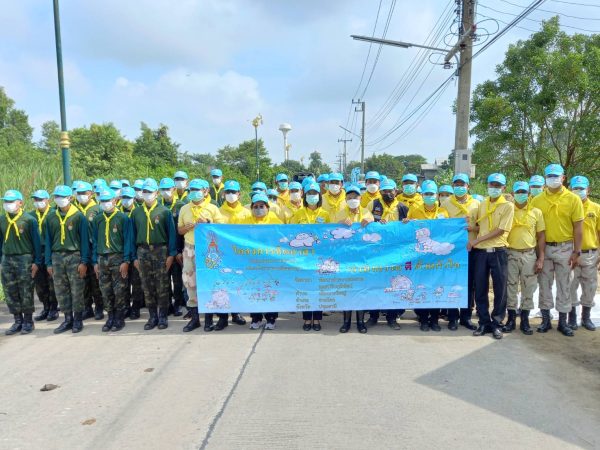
[
  {"x": 494, "y": 192},
  {"x": 460, "y": 191},
  {"x": 196, "y": 196},
  {"x": 283, "y": 185},
  {"x": 409, "y": 189},
  {"x": 521, "y": 198},
  {"x": 429, "y": 199},
  {"x": 582, "y": 193},
  {"x": 312, "y": 199}
]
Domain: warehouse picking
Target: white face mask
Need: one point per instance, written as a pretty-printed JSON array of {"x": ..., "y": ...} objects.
[
  {"x": 39, "y": 205},
  {"x": 62, "y": 202},
  {"x": 553, "y": 182},
  {"x": 181, "y": 184},
  {"x": 167, "y": 195},
  {"x": 295, "y": 196},
  {"x": 353, "y": 204},
  {"x": 139, "y": 195},
  {"x": 260, "y": 212},
  {"x": 335, "y": 189},
  {"x": 107, "y": 206},
  {"x": 11, "y": 208},
  {"x": 117, "y": 192},
  {"x": 127, "y": 202},
  {"x": 149, "y": 197},
  {"x": 216, "y": 181},
  {"x": 231, "y": 198},
  {"x": 372, "y": 188},
  {"x": 83, "y": 199}
]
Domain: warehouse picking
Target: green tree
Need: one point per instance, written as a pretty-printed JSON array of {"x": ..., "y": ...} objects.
[
  {"x": 50, "y": 142},
  {"x": 241, "y": 161},
  {"x": 156, "y": 147},
  {"x": 316, "y": 164},
  {"x": 14, "y": 123}
]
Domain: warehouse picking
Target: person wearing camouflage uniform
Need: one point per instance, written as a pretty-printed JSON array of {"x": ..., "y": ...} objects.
[
  {"x": 67, "y": 253},
  {"x": 135, "y": 294},
  {"x": 21, "y": 256},
  {"x": 112, "y": 249}
]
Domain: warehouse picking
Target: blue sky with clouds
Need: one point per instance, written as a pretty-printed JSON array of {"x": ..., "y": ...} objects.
[{"x": 207, "y": 67}]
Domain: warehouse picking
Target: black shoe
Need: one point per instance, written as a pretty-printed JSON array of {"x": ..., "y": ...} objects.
[
  {"x": 468, "y": 324},
  {"x": 434, "y": 326},
  {"x": 52, "y": 314},
  {"x": 497, "y": 333},
  {"x": 88, "y": 313},
  {"x": 17, "y": 326},
  {"x": 563, "y": 326},
  {"x": 524, "y": 326},
  {"x": 28, "y": 325},
  {"x": 43, "y": 315},
  {"x": 511, "y": 323},
  {"x": 546, "y": 322},
  {"x": 66, "y": 325},
  {"x": 452, "y": 325},
  {"x": 98, "y": 313},
  {"x": 572, "y": 320},
  {"x": 221, "y": 323},
  {"x": 109, "y": 323},
  {"x": 393, "y": 325},
  {"x": 586, "y": 322},
  {"x": 152, "y": 320},
  {"x": 188, "y": 314},
  {"x": 424, "y": 326},
  {"x": 134, "y": 314},
  {"x": 371, "y": 322},
  {"x": 347, "y": 322},
  {"x": 238, "y": 319},
  {"x": 77, "y": 322},
  {"x": 360, "y": 322},
  {"x": 307, "y": 327},
  {"x": 481, "y": 330},
  {"x": 194, "y": 322},
  {"x": 170, "y": 309},
  {"x": 177, "y": 311},
  {"x": 208, "y": 323},
  {"x": 162, "y": 319},
  {"x": 316, "y": 326},
  {"x": 119, "y": 321}
]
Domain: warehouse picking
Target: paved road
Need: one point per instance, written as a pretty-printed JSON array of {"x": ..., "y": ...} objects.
[{"x": 291, "y": 389}]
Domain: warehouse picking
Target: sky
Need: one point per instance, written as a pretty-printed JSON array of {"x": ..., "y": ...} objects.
[{"x": 206, "y": 68}]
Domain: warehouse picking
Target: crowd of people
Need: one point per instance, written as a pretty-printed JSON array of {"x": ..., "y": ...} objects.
[{"x": 117, "y": 247}]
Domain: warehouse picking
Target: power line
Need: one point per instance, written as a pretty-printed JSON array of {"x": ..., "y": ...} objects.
[
  {"x": 505, "y": 23},
  {"x": 369, "y": 52},
  {"x": 576, "y": 3},
  {"x": 551, "y": 12}
]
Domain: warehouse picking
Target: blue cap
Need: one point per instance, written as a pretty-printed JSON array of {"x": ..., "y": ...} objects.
[
  {"x": 138, "y": 184},
  {"x": 84, "y": 187},
  {"x": 150, "y": 184},
  {"x": 41, "y": 193},
  {"x": 497, "y": 178},
  {"x": 388, "y": 184},
  {"x": 353, "y": 188},
  {"x": 336, "y": 176},
  {"x": 273, "y": 192},
  {"x": 204, "y": 183},
  {"x": 100, "y": 188},
  {"x": 323, "y": 178},
  {"x": 128, "y": 192},
  {"x": 107, "y": 195},
  {"x": 125, "y": 183},
  {"x": 232, "y": 185},
  {"x": 166, "y": 183},
  {"x": 181, "y": 174},
  {"x": 12, "y": 195},
  {"x": 409, "y": 177},
  {"x": 446, "y": 188},
  {"x": 260, "y": 198},
  {"x": 429, "y": 187},
  {"x": 313, "y": 187},
  {"x": 281, "y": 177},
  {"x": 62, "y": 191},
  {"x": 520, "y": 186},
  {"x": 579, "y": 181},
  {"x": 372, "y": 175},
  {"x": 75, "y": 184},
  {"x": 196, "y": 184},
  {"x": 99, "y": 181},
  {"x": 461, "y": 177},
  {"x": 116, "y": 184},
  {"x": 216, "y": 173},
  {"x": 382, "y": 178},
  {"x": 294, "y": 185},
  {"x": 259, "y": 185},
  {"x": 537, "y": 180},
  {"x": 307, "y": 181},
  {"x": 478, "y": 197},
  {"x": 554, "y": 169}
]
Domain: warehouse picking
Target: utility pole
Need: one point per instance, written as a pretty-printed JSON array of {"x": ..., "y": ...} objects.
[
  {"x": 344, "y": 155},
  {"x": 362, "y": 133},
  {"x": 339, "y": 161}
]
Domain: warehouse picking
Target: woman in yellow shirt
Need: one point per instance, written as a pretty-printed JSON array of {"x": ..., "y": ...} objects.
[
  {"x": 311, "y": 212},
  {"x": 353, "y": 213}
]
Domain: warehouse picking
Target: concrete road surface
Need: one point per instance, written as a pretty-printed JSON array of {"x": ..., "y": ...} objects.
[{"x": 289, "y": 389}]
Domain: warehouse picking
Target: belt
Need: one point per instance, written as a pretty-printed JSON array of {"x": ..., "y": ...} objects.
[
  {"x": 558, "y": 244},
  {"x": 522, "y": 250},
  {"x": 591, "y": 250},
  {"x": 152, "y": 246},
  {"x": 491, "y": 250}
]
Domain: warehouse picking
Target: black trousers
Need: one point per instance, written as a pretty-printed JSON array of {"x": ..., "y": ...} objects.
[
  {"x": 312, "y": 315},
  {"x": 390, "y": 314},
  {"x": 428, "y": 315},
  {"x": 466, "y": 313},
  {"x": 176, "y": 274},
  {"x": 270, "y": 317},
  {"x": 496, "y": 265}
]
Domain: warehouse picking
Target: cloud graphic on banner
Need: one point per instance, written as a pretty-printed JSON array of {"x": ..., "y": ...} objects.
[
  {"x": 342, "y": 233},
  {"x": 372, "y": 237},
  {"x": 283, "y": 240},
  {"x": 303, "y": 240},
  {"x": 225, "y": 270},
  {"x": 219, "y": 300},
  {"x": 427, "y": 245}
]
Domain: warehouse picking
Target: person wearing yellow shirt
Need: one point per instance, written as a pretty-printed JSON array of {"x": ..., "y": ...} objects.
[
  {"x": 372, "y": 181},
  {"x": 461, "y": 204},
  {"x": 563, "y": 215},
  {"x": 295, "y": 199},
  {"x": 283, "y": 188},
  {"x": 280, "y": 210},
  {"x": 494, "y": 218},
  {"x": 334, "y": 199},
  {"x": 181, "y": 180},
  {"x": 409, "y": 195},
  {"x": 311, "y": 212},
  {"x": 524, "y": 263},
  {"x": 536, "y": 185},
  {"x": 428, "y": 210},
  {"x": 585, "y": 273},
  {"x": 323, "y": 181},
  {"x": 353, "y": 213},
  {"x": 196, "y": 212}
]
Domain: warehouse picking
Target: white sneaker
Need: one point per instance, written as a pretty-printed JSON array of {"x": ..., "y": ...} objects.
[
  {"x": 269, "y": 326},
  {"x": 256, "y": 325}
]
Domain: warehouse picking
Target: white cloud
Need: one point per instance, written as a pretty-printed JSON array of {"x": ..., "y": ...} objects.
[
  {"x": 371, "y": 237},
  {"x": 303, "y": 240},
  {"x": 342, "y": 233}
]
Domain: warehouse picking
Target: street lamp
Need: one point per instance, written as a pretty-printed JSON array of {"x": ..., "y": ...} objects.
[
  {"x": 256, "y": 122},
  {"x": 285, "y": 128}
]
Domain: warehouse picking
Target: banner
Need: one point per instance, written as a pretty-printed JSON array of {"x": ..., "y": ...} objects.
[{"x": 278, "y": 268}]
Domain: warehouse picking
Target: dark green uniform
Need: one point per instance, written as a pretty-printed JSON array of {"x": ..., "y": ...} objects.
[
  {"x": 135, "y": 293},
  {"x": 176, "y": 289},
  {"x": 92, "y": 294},
  {"x": 217, "y": 196},
  {"x": 44, "y": 285}
]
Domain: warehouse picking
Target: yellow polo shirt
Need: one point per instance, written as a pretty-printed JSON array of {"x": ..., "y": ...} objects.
[
  {"x": 367, "y": 198},
  {"x": 561, "y": 211},
  {"x": 420, "y": 213},
  {"x": 269, "y": 219},
  {"x": 284, "y": 197},
  {"x": 527, "y": 222},
  {"x": 492, "y": 216},
  {"x": 307, "y": 215},
  {"x": 591, "y": 225},
  {"x": 467, "y": 209},
  {"x": 190, "y": 213},
  {"x": 234, "y": 214},
  {"x": 410, "y": 201},
  {"x": 357, "y": 217},
  {"x": 334, "y": 205}
]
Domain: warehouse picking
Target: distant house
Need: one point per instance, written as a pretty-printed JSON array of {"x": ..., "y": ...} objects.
[{"x": 429, "y": 170}]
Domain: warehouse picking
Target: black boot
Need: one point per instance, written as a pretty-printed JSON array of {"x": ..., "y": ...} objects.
[
  {"x": 222, "y": 322},
  {"x": 98, "y": 313},
  {"x": 511, "y": 323},
  {"x": 546, "y": 322},
  {"x": 525, "y": 328},
  {"x": 119, "y": 321},
  {"x": 347, "y": 322},
  {"x": 194, "y": 322},
  {"x": 110, "y": 322},
  {"x": 586, "y": 322},
  {"x": 152, "y": 320},
  {"x": 77, "y": 322},
  {"x": 88, "y": 313},
  {"x": 28, "y": 325},
  {"x": 360, "y": 322},
  {"x": 238, "y": 319},
  {"x": 373, "y": 318},
  {"x": 563, "y": 326},
  {"x": 52, "y": 312},
  {"x": 572, "y": 320},
  {"x": 16, "y": 327},
  {"x": 134, "y": 314},
  {"x": 43, "y": 315},
  {"x": 208, "y": 322},
  {"x": 162, "y": 318},
  {"x": 66, "y": 325}
]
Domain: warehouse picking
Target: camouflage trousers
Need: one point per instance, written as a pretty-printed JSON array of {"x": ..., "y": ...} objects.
[
  {"x": 113, "y": 286},
  {"x": 44, "y": 287},
  {"x": 154, "y": 275},
  {"x": 135, "y": 292},
  {"x": 67, "y": 283},
  {"x": 92, "y": 294},
  {"x": 189, "y": 274},
  {"x": 521, "y": 272},
  {"x": 585, "y": 275},
  {"x": 17, "y": 283}
]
